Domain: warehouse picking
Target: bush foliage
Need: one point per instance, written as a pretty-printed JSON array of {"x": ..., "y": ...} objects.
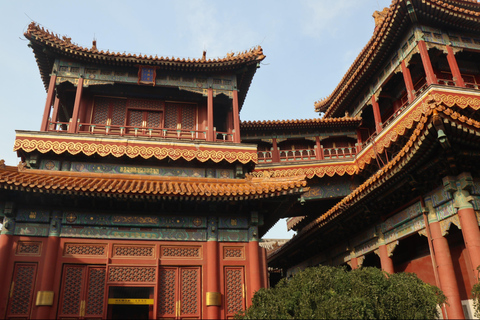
[
  {"x": 334, "y": 293},
  {"x": 476, "y": 296}
]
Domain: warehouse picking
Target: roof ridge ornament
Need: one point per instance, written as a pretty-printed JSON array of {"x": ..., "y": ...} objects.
[{"x": 380, "y": 16}]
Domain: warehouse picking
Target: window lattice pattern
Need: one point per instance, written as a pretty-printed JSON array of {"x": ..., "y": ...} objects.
[
  {"x": 100, "y": 114},
  {"x": 22, "y": 294},
  {"x": 136, "y": 118},
  {"x": 28, "y": 247},
  {"x": 131, "y": 274},
  {"x": 166, "y": 291},
  {"x": 232, "y": 253},
  {"x": 190, "y": 283},
  {"x": 72, "y": 290},
  {"x": 234, "y": 290},
  {"x": 171, "y": 117},
  {"x": 95, "y": 292},
  {"x": 119, "y": 111},
  {"x": 154, "y": 119},
  {"x": 85, "y": 249},
  {"x": 181, "y": 252},
  {"x": 131, "y": 251},
  {"x": 188, "y": 117},
  {"x": 144, "y": 104}
]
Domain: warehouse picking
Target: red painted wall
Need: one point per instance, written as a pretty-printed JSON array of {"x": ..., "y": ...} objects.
[{"x": 421, "y": 266}]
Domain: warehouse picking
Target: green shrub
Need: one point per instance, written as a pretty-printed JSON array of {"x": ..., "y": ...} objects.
[
  {"x": 476, "y": 296},
  {"x": 334, "y": 293}
]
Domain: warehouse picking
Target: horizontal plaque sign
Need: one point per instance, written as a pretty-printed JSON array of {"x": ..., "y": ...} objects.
[{"x": 130, "y": 301}]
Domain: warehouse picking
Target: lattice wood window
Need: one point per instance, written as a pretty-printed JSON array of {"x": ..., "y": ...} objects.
[
  {"x": 142, "y": 119},
  {"x": 29, "y": 248},
  {"x": 180, "y": 116},
  {"x": 233, "y": 253},
  {"x": 234, "y": 291},
  {"x": 179, "y": 294},
  {"x": 109, "y": 111},
  {"x": 77, "y": 249},
  {"x": 82, "y": 292},
  {"x": 131, "y": 274},
  {"x": 133, "y": 251},
  {"x": 21, "y": 290},
  {"x": 172, "y": 252}
]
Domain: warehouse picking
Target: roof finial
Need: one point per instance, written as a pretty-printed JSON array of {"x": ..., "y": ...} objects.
[
  {"x": 204, "y": 56},
  {"x": 379, "y": 16},
  {"x": 94, "y": 44}
]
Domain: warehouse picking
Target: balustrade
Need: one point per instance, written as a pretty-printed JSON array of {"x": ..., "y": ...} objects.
[
  {"x": 339, "y": 153},
  {"x": 223, "y": 136},
  {"x": 137, "y": 131},
  {"x": 265, "y": 156},
  {"x": 297, "y": 155}
]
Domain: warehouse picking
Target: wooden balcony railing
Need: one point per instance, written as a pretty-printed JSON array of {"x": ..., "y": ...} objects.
[
  {"x": 307, "y": 154},
  {"x": 339, "y": 153},
  {"x": 223, "y": 136},
  {"x": 297, "y": 155},
  {"x": 114, "y": 130},
  {"x": 264, "y": 156},
  {"x": 471, "y": 85}
]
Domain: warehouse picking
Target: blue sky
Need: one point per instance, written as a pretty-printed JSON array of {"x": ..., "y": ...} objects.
[{"x": 309, "y": 46}]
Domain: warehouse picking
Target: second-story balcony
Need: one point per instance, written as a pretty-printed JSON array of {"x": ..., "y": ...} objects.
[
  {"x": 307, "y": 154},
  {"x": 140, "y": 131}
]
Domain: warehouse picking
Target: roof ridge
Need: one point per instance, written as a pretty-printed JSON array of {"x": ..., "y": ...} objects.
[{"x": 35, "y": 30}]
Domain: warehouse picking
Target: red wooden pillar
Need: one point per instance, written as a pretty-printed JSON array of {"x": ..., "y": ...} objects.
[
  {"x": 452, "y": 63},
  {"x": 48, "y": 275},
  {"x": 354, "y": 263},
  {"x": 407, "y": 78},
  {"x": 446, "y": 271},
  {"x": 48, "y": 103},
  {"x": 275, "y": 153},
  {"x": 236, "y": 117},
  {"x": 468, "y": 220},
  {"x": 6, "y": 243},
  {"x": 470, "y": 231},
  {"x": 210, "y": 136},
  {"x": 76, "y": 107},
  {"x": 376, "y": 114},
  {"x": 385, "y": 261},
  {"x": 427, "y": 64},
  {"x": 319, "y": 154},
  {"x": 212, "y": 283},
  {"x": 254, "y": 264},
  {"x": 359, "y": 141},
  {"x": 56, "y": 105}
]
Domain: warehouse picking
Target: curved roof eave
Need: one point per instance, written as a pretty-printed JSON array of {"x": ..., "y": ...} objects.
[{"x": 381, "y": 40}]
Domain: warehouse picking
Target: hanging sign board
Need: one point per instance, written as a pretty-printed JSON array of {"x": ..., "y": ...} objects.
[{"x": 130, "y": 301}]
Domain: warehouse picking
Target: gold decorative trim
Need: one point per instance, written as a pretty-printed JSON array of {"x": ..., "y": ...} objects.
[
  {"x": 310, "y": 172},
  {"x": 460, "y": 101},
  {"x": 118, "y": 150}
]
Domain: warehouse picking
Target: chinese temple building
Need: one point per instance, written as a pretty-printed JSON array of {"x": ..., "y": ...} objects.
[
  {"x": 143, "y": 194},
  {"x": 393, "y": 165},
  {"x": 134, "y": 199}
]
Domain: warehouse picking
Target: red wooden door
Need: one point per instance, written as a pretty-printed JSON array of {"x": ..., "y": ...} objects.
[
  {"x": 234, "y": 291},
  {"x": 179, "y": 293},
  {"x": 144, "y": 122},
  {"x": 82, "y": 293},
  {"x": 21, "y": 290}
]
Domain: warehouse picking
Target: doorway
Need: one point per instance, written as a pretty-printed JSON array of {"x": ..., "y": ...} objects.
[{"x": 130, "y": 302}]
